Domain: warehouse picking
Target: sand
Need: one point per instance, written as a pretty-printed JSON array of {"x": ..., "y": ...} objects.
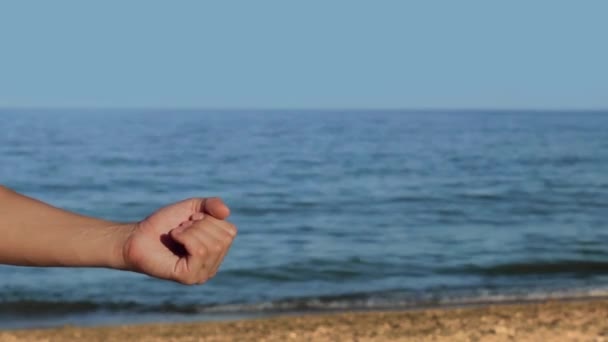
[{"x": 549, "y": 321}]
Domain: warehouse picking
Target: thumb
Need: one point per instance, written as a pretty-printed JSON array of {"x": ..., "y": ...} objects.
[{"x": 213, "y": 206}]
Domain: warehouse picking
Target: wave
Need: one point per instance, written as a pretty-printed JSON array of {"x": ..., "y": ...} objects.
[
  {"x": 552, "y": 267},
  {"x": 382, "y": 300},
  {"x": 326, "y": 269},
  {"x": 356, "y": 268},
  {"x": 30, "y": 307}
]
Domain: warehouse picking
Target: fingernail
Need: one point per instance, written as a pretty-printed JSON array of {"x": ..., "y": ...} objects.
[
  {"x": 179, "y": 230},
  {"x": 186, "y": 224},
  {"x": 198, "y": 216}
]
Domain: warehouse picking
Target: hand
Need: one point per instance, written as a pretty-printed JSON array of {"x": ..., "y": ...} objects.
[{"x": 185, "y": 242}]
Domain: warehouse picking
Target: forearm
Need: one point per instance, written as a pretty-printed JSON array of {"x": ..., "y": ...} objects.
[{"x": 33, "y": 233}]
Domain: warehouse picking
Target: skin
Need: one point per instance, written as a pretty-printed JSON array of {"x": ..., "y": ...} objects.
[{"x": 185, "y": 242}]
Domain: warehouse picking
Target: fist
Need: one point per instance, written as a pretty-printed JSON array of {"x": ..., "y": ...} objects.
[{"x": 184, "y": 242}]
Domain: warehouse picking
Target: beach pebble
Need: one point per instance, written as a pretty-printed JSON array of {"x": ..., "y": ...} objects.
[{"x": 502, "y": 330}]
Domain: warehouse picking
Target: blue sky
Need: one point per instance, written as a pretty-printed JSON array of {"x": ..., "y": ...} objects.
[{"x": 320, "y": 54}]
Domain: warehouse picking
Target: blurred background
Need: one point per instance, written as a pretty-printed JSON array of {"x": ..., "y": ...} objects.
[{"x": 384, "y": 155}]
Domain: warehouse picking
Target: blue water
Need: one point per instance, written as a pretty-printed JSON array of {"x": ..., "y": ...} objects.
[{"x": 335, "y": 209}]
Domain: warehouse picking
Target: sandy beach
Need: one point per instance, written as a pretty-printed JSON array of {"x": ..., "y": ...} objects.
[{"x": 582, "y": 320}]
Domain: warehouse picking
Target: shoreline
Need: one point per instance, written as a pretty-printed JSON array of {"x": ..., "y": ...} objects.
[
  {"x": 564, "y": 319},
  {"x": 101, "y": 319}
]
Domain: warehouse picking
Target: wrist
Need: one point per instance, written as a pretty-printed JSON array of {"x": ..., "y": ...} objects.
[{"x": 120, "y": 238}]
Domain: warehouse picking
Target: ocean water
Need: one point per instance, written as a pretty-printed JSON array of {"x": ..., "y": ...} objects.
[{"x": 336, "y": 209}]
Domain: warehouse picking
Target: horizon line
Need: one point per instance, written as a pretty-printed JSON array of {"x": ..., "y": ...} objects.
[{"x": 299, "y": 109}]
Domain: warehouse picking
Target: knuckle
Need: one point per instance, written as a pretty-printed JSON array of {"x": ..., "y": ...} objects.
[
  {"x": 217, "y": 248},
  {"x": 226, "y": 240},
  {"x": 201, "y": 251},
  {"x": 230, "y": 229}
]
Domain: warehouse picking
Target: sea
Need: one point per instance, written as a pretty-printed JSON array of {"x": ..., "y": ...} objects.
[{"x": 336, "y": 209}]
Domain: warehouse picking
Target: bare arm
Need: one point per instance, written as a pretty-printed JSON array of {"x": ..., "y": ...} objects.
[
  {"x": 33, "y": 233},
  {"x": 37, "y": 234}
]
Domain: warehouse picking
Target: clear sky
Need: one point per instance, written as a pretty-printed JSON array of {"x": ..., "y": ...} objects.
[{"x": 299, "y": 54}]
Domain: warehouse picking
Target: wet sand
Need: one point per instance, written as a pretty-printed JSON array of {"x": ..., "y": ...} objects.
[{"x": 584, "y": 320}]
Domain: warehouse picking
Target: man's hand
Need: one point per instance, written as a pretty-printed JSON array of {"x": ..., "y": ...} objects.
[{"x": 185, "y": 242}]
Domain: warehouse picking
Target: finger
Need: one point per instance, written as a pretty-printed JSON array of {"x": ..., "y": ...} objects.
[
  {"x": 185, "y": 224},
  {"x": 197, "y": 216},
  {"x": 225, "y": 234},
  {"x": 224, "y": 239},
  {"x": 225, "y": 225},
  {"x": 214, "y": 271},
  {"x": 216, "y": 208},
  {"x": 211, "y": 235},
  {"x": 198, "y": 254},
  {"x": 213, "y": 206}
]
